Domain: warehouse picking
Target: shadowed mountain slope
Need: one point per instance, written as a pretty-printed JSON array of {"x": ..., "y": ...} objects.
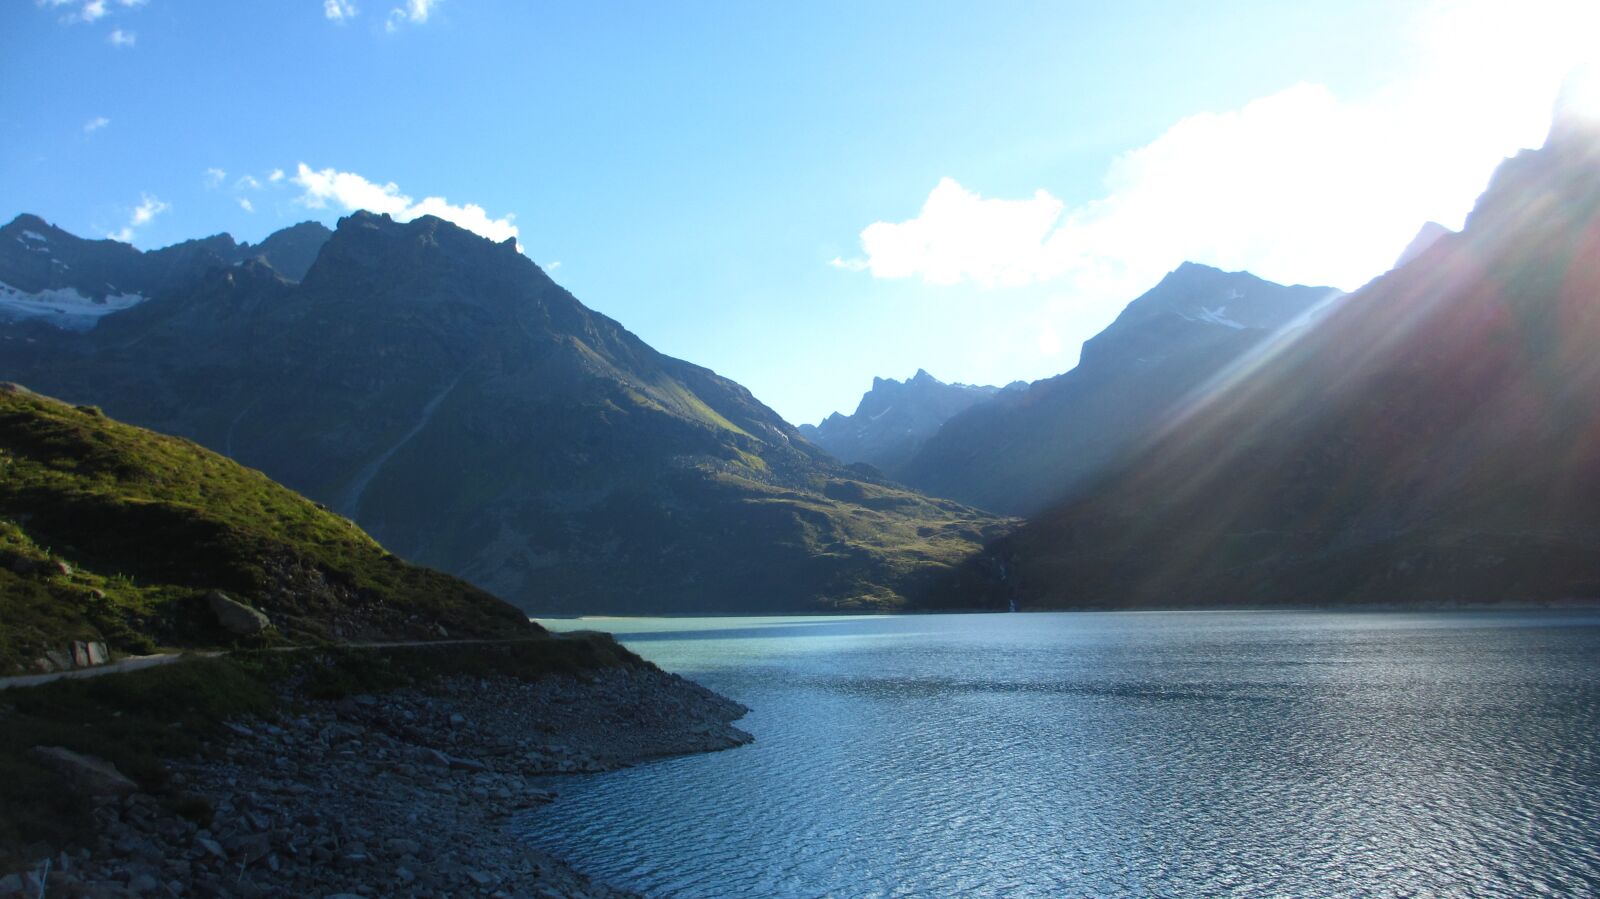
[
  {"x": 1023, "y": 449},
  {"x": 1435, "y": 438},
  {"x": 441, "y": 390}
]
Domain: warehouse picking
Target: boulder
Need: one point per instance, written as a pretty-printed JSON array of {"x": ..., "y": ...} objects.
[
  {"x": 94, "y": 776},
  {"x": 236, "y": 617},
  {"x": 87, "y": 654}
]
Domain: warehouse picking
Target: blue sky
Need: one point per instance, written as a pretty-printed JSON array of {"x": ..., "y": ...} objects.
[{"x": 800, "y": 196}]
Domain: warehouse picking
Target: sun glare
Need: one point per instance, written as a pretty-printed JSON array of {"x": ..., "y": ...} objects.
[{"x": 1580, "y": 95}]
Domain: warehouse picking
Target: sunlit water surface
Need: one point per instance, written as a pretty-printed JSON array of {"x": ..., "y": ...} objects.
[{"x": 1158, "y": 754}]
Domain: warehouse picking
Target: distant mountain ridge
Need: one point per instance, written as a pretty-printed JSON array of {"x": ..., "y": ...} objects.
[
  {"x": 1023, "y": 449},
  {"x": 895, "y": 418},
  {"x": 465, "y": 409},
  {"x": 57, "y": 278}
]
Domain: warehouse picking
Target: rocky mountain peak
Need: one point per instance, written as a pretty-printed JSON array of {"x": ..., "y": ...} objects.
[
  {"x": 29, "y": 221},
  {"x": 894, "y": 418},
  {"x": 1428, "y": 235},
  {"x": 1210, "y": 297}
]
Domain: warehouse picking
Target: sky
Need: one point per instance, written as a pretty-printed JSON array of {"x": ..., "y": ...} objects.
[{"x": 799, "y": 196}]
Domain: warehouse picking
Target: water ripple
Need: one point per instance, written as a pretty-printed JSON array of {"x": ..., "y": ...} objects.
[{"x": 1237, "y": 754}]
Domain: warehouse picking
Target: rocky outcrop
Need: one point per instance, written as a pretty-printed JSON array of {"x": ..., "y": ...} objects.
[
  {"x": 235, "y": 617},
  {"x": 93, "y": 776},
  {"x": 412, "y": 793},
  {"x": 75, "y": 655}
]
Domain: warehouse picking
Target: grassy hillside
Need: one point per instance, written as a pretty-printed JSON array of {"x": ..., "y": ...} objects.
[{"x": 111, "y": 532}]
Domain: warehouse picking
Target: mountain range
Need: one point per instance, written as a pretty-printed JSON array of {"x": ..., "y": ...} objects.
[
  {"x": 443, "y": 392},
  {"x": 1226, "y": 441},
  {"x": 895, "y": 418},
  {"x": 1435, "y": 438},
  {"x": 1015, "y": 451}
]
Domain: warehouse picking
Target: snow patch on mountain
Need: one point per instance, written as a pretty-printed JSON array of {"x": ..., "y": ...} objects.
[
  {"x": 1217, "y": 316},
  {"x": 34, "y": 241},
  {"x": 63, "y": 307}
]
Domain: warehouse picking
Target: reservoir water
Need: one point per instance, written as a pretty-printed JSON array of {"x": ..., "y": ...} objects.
[{"x": 1116, "y": 754}]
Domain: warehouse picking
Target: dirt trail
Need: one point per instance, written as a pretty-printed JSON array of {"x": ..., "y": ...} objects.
[{"x": 136, "y": 663}]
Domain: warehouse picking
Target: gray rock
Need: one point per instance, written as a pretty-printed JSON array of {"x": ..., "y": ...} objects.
[
  {"x": 94, "y": 776},
  {"x": 211, "y": 846},
  {"x": 461, "y": 764},
  {"x": 430, "y": 756},
  {"x": 236, "y": 617}
]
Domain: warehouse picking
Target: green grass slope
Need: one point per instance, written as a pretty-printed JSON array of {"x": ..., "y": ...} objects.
[{"x": 111, "y": 532}]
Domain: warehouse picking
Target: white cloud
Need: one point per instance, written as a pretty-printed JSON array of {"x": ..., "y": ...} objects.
[
  {"x": 276, "y": 176},
  {"x": 95, "y": 124},
  {"x": 215, "y": 177},
  {"x": 339, "y": 10},
  {"x": 88, "y": 11},
  {"x": 120, "y": 38},
  {"x": 1299, "y": 186},
  {"x": 960, "y": 236},
  {"x": 415, "y": 12},
  {"x": 247, "y": 182},
  {"x": 149, "y": 207},
  {"x": 246, "y": 205},
  {"x": 351, "y": 191}
]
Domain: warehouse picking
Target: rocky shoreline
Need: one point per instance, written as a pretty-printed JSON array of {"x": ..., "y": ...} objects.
[{"x": 402, "y": 793}]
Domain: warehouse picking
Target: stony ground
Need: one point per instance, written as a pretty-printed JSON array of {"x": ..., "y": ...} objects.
[{"x": 405, "y": 793}]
